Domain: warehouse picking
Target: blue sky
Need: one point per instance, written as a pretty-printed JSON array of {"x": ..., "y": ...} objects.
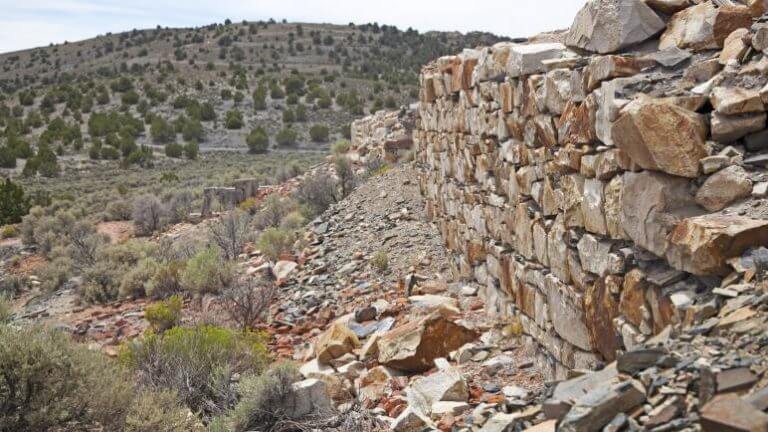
[{"x": 31, "y": 23}]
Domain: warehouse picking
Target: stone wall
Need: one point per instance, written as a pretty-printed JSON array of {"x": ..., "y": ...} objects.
[
  {"x": 602, "y": 182},
  {"x": 385, "y": 135}
]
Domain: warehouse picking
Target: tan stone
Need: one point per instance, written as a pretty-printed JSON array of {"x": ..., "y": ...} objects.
[
  {"x": 661, "y": 137},
  {"x": 566, "y": 311},
  {"x": 606, "y": 26},
  {"x": 557, "y": 249},
  {"x": 702, "y": 71},
  {"x": 335, "y": 342},
  {"x": 760, "y": 37},
  {"x": 557, "y": 90},
  {"x": 734, "y": 46},
  {"x": 577, "y": 122},
  {"x": 723, "y": 188},
  {"x": 607, "y": 67},
  {"x": 414, "y": 346},
  {"x": 632, "y": 302},
  {"x": 612, "y": 207},
  {"x": 704, "y": 26},
  {"x": 600, "y": 308},
  {"x": 729, "y": 412},
  {"x": 652, "y": 203},
  {"x": 734, "y": 100},
  {"x": 527, "y": 59},
  {"x": 592, "y": 207},
  {"x": 702, "y": 245},
  {"x": 727, "y": 128}
]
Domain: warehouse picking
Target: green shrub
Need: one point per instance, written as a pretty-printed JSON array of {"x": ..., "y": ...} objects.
[
  {"x": 130, "y": 97},
  {"x": 13, "y": 204},
  {"x": 263, "y": 399},
  {"x": 288, "y": 116},
  {"x": 341, "y": 147},
  {"x": 166, "y": 281},
  {"x": 162, "y": 131},
  {"x": 196, "y": 362},
  {"x": 102, "y": 280},
  {"x": 191, "y": 150},
  {"x": 273, "y": 211},
  {"x": 7, "y": 158},
  {"x": 233, "y": 119},
  {"x": 109, "y": 153},
  {"x": 207, "y": 272},
  {"x": 49, "y": 383},
  {"x": 164, "y": 315},
  {"x": 55, "y": 273},
  {"x": 319, "y": 133},
  {"x": 5, "y": 308},
  {"x": 380, "y": 261},
  {"x": 9, "y": 231},
  {"x": 119, "y": 210},
  {"x": 317, "y": 193},
  {"x": 192, "y": 131},
  {"x": 148, "y": 214},
  {"x": 134, "y": 282},
  {"x": 101, "y": 283},
  {"x": 275, "y": 241},
  {"x": 286, "y": 137},
  {"x": 174, "y": 150},
  {"x": 159, "y": 411},
  {"x": 10, "y": 285},
  {"x": 257, "y": 140},
  {"x": 293, "y": 221}
]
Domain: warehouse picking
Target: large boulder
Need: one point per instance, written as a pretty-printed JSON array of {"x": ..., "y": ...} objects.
[
  {"x": 335, "y": 342},
  {"x": 702, "y": 245},
  {"x": 595, "y": 409},
  {"x": 662, "y": 137},
  {"x": 652, "y": 204},
  {"x": 414, "y": 346},
  {"x": 723, "y": 188},
  {"x": 607, "y": 26},
  {"x": 704, "y": 26},
  {"x": 447, "y": 385}
]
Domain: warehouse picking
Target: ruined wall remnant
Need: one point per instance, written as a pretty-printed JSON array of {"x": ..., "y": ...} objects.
[
  {"x": 601, "y": 197},
  {"x": 229, "y": 197},
  {"x": 385, "y": 136}
]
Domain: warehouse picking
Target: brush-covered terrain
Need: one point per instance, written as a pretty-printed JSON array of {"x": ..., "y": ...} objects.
[{"x": 156, "y": 190}]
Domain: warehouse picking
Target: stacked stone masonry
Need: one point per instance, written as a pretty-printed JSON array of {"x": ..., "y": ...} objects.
[
  {"x": 602, "y": 181},
  {"x": 384, "y": 136}
]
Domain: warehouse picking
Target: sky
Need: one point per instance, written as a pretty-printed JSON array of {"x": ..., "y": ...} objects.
[{"x": 32, "y": 23}]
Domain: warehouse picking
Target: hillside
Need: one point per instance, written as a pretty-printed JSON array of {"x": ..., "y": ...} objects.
[{"x": 215, "y": 85}]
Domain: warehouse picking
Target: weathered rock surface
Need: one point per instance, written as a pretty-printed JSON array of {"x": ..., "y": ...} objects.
[
  {"x": 662, "y": 137},
  {"x": 652, "y": 203},
  {"x": 606, "y": 26},
  {"x": 704, "y": 26},
  {"x": 335, "y": 342},
  {"x": 702, "y": 245},
  {"x": 723, "y": 188},
  {"x": 413, "y": 347}
]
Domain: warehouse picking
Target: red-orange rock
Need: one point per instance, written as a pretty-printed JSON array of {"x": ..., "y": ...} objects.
[{"x": 702, "y": 245}]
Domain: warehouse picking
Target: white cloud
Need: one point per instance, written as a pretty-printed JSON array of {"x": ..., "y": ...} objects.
[{"x": 30, "y": 23}]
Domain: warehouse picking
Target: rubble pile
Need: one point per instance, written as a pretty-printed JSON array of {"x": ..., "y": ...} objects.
[
  {"x": 383, "y": 136},
  {"x": 408, "y": 343}
]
